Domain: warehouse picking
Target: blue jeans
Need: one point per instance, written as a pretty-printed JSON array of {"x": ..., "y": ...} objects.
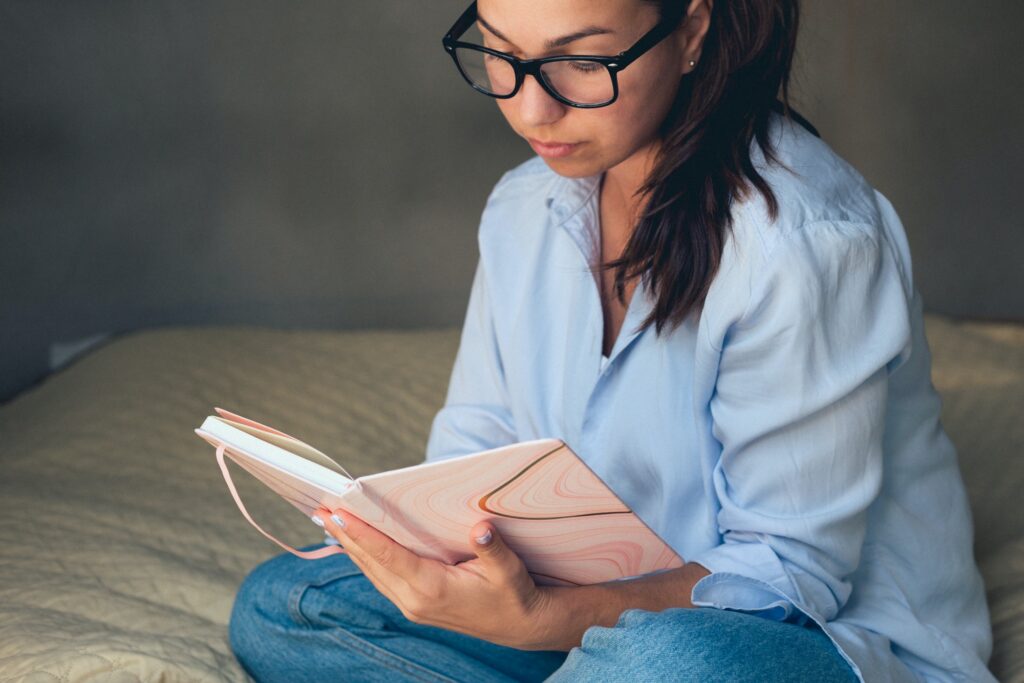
[{"x": 322, "y": 620}]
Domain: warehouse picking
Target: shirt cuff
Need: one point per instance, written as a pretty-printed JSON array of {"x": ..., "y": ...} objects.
[{"x": 748, "y": 577}]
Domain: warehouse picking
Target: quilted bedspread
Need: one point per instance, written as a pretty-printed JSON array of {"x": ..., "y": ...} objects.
[{"x": 121, "y": 549}]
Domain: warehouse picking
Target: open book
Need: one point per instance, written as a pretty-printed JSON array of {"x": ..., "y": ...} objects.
[{"x": 568, "y": 527}]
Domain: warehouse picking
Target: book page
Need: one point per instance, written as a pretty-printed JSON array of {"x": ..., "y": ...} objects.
[{"x": 290, "y": 444}]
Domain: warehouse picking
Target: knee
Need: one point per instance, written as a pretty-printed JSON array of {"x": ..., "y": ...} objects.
[
  {"x": 651, "y": 646},
  {"x": 260, "y": 602},
  {"x": 692, "y": 644},
  {"x": 263, "y": 608},
  {"x": 695, "y": 638}
]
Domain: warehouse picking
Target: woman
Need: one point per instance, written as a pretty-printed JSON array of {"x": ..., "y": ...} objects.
[{"x": 717, "y": 313}]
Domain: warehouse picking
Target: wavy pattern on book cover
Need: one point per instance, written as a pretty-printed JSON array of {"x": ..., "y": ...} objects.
[{"x": 563, "y": 521}]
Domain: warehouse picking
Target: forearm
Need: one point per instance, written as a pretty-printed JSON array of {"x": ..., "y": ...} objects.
[{"x": 569, "y": 611}]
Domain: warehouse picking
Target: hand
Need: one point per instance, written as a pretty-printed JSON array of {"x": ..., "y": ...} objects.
[{"x": 491, "y": 596}]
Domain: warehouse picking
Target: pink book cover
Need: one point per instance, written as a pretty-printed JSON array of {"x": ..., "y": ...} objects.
[{"x": 568, "y": 527}]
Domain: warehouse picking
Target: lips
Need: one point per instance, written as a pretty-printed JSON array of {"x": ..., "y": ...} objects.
[{"x": 553, "y": 148}]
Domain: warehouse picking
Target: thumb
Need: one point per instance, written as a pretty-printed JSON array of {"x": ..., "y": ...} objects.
[{"x": 490, "y": 547}]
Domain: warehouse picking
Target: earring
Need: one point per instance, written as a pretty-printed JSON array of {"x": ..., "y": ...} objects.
[{"x": 692, "y": 63}]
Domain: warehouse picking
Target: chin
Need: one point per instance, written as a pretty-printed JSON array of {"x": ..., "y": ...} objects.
[{"x": 571, "y": 168}]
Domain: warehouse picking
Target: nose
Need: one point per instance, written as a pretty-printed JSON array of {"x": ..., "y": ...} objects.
[{"x": 536, "y": 107}]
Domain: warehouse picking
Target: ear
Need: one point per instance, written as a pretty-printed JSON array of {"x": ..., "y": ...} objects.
[{"x": 691, "y": 33}]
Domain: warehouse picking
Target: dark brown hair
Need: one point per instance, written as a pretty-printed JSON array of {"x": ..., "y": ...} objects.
[{"x": 704, "y": 161}]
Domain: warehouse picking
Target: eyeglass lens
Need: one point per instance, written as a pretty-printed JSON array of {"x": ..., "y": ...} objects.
[
  {"x": 493, "y": 74},
  {"x": 579, "y": 81}
]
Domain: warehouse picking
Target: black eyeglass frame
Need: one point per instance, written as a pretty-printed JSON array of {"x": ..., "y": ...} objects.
[{"x": 524, "y": 67}]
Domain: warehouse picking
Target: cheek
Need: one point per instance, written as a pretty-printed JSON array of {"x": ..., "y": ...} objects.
[
  {"x": 621, "y": 128},
  {"x": 646, "y": 96}
]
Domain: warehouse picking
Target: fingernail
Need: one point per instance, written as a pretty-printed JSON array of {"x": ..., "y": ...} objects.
[
  {"x": 485, "y": 538},
  {"x": 317, "y": 520},
  {"x": 338, "y": 520}
]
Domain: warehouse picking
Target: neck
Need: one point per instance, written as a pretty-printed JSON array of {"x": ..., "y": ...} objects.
[
  {"x": 621, "y": 182},
  {"x": 620, "y": 205}
]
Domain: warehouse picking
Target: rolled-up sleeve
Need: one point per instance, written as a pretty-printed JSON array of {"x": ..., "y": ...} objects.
[
  {"x": 476, "y": 414},
  {"x": 799, "y": 410}
]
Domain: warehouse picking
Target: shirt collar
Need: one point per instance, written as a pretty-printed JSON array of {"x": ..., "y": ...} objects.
[
  {"x": 566, "y": 196},
  {"x": 574, "y": 206}
]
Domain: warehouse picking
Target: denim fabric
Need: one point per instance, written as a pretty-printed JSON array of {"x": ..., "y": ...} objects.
[{"x": 298, "y": 620}]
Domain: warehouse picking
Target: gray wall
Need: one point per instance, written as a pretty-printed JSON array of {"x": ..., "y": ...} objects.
[
  {"x": 926, "y": 99},
  {"x": 321, "y": 164}
]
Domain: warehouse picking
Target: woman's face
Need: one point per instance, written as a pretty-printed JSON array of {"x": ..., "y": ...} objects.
[{"x": 603, "y": 137}]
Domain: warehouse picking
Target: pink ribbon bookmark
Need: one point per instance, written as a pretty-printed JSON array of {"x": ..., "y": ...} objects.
[{"x": 304, "y": 554}]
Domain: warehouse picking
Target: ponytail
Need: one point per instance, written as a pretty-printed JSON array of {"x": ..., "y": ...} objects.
[{"x": 704, "y": 161}]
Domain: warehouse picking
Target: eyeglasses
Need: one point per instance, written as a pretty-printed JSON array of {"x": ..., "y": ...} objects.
[{"x": 585, "y": 81}]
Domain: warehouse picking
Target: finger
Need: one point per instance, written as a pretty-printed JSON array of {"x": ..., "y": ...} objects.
[
  {"x": 372, "y": 573},
  {"x": 503, "y": 564},
  {"x": 381, "y": 579},
  {"x": 358, "y": 556},
  {"x": 355, "y": 551},
  {"x": 372, "y": 545}
]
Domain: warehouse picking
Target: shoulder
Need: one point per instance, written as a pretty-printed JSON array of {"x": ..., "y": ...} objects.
[
  {"x": 812, "y": 185},
  {"x": 515, "y": 216},
  {"x": 832, "y": 229},
  {"x": 530, "y": 172},
  {"x": 818, "y": 193},
  {"x": 532, "y": 180}
]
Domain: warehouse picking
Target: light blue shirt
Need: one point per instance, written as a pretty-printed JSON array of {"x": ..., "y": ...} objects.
[{"x": 786, "y": 436}]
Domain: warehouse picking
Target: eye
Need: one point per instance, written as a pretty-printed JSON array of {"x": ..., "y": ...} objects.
[{"x": 585, "y": 67}]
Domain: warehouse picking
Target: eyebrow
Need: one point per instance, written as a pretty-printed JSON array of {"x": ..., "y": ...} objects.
[{"x": 556, "y": 42}]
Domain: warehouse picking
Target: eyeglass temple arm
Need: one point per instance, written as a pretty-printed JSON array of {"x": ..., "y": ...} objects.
[
  {"x": 660, "y": 30},
  {"x": 462, "y": 23}
]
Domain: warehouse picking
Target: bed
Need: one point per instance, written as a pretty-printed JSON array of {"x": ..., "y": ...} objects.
[{"x": 121, "y": 549}]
